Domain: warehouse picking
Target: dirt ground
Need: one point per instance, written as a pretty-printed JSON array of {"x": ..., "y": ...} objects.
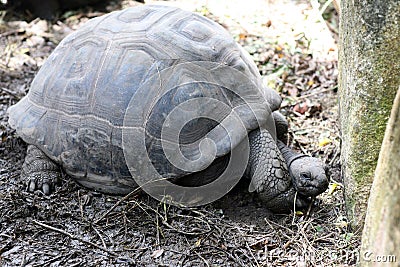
[{"x": 293, "y": 44}]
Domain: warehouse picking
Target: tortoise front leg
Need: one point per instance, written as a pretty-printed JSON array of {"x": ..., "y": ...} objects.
[
  {"x": 269, "y": 174},
  {"x": 39, "y": 171}
]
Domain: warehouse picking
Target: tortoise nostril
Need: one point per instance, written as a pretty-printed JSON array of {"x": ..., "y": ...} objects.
[{"x": 305, "y": 176}]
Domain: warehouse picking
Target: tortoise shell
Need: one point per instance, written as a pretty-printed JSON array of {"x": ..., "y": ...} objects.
[{"x": 112, "y": 92}]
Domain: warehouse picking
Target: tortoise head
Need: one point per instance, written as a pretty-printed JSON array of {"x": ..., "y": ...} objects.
[{"x": 309, "y": 176}]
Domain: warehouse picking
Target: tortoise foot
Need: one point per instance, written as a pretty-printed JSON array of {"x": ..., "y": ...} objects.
[
  {"x": 288, "y": 201},
  {"x": 40, "y": 172}
]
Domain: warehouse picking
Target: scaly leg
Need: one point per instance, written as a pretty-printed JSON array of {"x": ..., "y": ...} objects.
[
  {"x": 39, "y": 171},
  {"x": 269, "y": 174}
]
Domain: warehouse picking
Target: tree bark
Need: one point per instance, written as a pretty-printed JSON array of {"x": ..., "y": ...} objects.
[
  {"x": 381, "y": 235},
  {"x": 369, "y": 68}
]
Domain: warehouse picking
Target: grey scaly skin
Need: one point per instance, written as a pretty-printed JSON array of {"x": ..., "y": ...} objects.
[
  {"x": 277, "y": 173},
  {"x": 283, "y": 178},
  {"x": 269, "y": 174},
  {"x": 39, "y": 171}
]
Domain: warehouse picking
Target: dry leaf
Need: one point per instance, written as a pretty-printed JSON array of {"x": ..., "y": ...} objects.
[
  {"x": 242, "y": 36},
  {"x": 300, "y": 108},
  {"x": 267, "y": 24},
  {"x": 341, "y": 224},
  {"x": 332, "y": 188},
  {"x": 157, "y": 253},
  {"x": 198, "y": 242},
  {"x": 324, "y": 141}
]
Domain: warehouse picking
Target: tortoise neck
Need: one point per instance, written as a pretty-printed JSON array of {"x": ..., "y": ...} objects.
[{"x": 288, "y": 154}]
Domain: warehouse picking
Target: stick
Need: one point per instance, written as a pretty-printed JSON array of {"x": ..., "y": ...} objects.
[
  {"x": 116, "y": 205},
  {"x": 10, "y": 92},
  {"x": 74, "y": 237}
]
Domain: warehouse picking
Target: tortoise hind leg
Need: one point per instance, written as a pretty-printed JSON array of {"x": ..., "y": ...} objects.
[{"x": 39, "y": 171}]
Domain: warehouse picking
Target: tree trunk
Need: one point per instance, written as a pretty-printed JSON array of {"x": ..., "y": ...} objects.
[
  {"x": 369, "y": 69},
  {"x": 381, "y": 236}
]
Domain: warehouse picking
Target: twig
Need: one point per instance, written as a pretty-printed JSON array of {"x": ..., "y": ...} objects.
[
  {"x": 294, "y": 208},
  {"x": 279, "y": 225},
  {"x": 303, "y": 150},
  {"x": 47, "y": 263},
  {"x": 203, "y": 259},
  {"x": 289, "y": 242},
  {"x": 5, "y": 247},
  {"x": 184, "y": 232},
  {"x": 315, "y": 5},
  {"x": 217, "y": 249},
  {"x": 309, "y": 207},
  {"x": 101, "y": 238},
  {"x": 158, "y": 230},
  {"x": 4, "y": 34},
  {"x": 74, "y": 237},
  {"x": 317, "y": 92},
  {"x": 324, "y": 7},
  {"x": 23, "y": 262},
  {"x": 80, "y": 204},
  {"x": 116, "y": 205},
  {"x": 323, "y": 238},
  {"x": 334, "y": 157},
  {"x": 252, "y": 254},
  {"x": 10, "y": 92}
]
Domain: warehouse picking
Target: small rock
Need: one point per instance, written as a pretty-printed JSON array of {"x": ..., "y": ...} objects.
[{"x": 35, "y": 41}]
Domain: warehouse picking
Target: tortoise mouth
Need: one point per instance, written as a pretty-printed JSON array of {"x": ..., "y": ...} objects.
[{"x": 309, "y": 185}]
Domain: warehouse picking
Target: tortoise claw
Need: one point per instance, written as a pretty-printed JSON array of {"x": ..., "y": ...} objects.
[
  {"x": 44, "y": 182},
  {"x": 46, "y": 189},
  {"x": 31, "y": 185},
  {"x": 40, "y": 172}
]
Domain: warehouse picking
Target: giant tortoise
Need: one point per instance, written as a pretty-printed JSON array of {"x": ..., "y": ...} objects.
[{"x": 155, "y": 93}]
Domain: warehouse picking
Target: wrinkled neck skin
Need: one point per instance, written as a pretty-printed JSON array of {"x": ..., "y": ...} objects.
[{"x": 288, "y": 154}]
